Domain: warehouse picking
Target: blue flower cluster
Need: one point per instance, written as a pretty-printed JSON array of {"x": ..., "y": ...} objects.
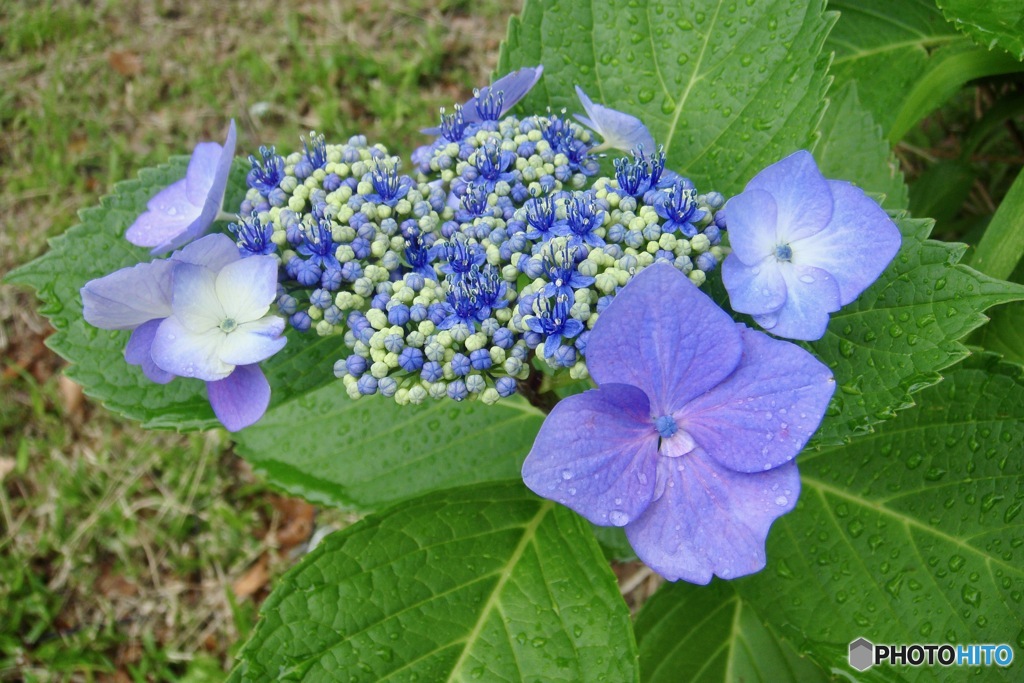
[{"x": 502, "y": 250}]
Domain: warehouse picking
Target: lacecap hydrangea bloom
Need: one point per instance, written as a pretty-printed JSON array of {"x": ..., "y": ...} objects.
[
  {"x": 689, "y": 439},
  {"x": 185, "y": 210},
  {"x": 204, "y": 313},
  {"x": 803, "y": 246}
]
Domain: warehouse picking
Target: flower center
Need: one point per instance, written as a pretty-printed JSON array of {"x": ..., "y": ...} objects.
[
  {"x": 784, "y": 252},
  {"x": 228, "y": 325},
  {"x": 666, "y": 426}
]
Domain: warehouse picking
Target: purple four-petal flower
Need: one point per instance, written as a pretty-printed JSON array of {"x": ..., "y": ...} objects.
[
  {"x": 185, "y": 210},
  {"x": 802, "y": 247},
  {"x": 159, "y": 301},
  {"x": 688, "y": 441}
]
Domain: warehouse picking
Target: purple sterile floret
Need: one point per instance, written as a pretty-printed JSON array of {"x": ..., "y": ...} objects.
[
  {"x": 185, "y": 210},
  {"x": 619, "y": 130},
  {"x": 688, "y": 441},
  {"x": 802, "y": 247},
  {"x": 172, "y": 328}
]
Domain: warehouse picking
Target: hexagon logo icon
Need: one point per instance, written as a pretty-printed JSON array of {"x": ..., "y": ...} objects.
[{"x": 862, "y": 654}]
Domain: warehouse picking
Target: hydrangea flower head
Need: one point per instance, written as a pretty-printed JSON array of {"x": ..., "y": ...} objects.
[
  {"x": 688, "y": 442},
  {"x": 802, "y": 247},
  {"x": 185, "y": 210},
  {"x": 618, "y": 130}
]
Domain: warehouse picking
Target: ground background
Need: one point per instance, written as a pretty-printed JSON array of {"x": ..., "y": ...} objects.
[{"x": 125, "y": 554}]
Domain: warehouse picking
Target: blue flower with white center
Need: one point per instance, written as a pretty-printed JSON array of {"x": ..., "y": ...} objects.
[
  {"x": 267, "y": 172},
  {"x": 492, "y": 164},
  {"x": 489, "y": 290},
  {"x": 219, "y": 329},
  {"x": 315, "y": 150},
  {"x": 318, "y": 245},
  {"x": 460, "y": 307},
  {"x": 802, "y": 247},
  {"x": 460, "y": 257},
  {"x": 688, "y": 442},
  {"x": 633, "y": 176},
  {"x": 619, "y": 130},
  {"x": 678, "y": 206},
  {"x": 453, "y": 125},
  {"x": 582, "y": 219},
  {"x": 554, "y": 323},
  {"x": 542, "y": 219},
  {"x": 186, "y": 209},
  {"x": 389, "y": 187},
  {"x": 473, "y": 204},
  {"x": 253, "y": 237},
  {"x": 562, "y": 274}
]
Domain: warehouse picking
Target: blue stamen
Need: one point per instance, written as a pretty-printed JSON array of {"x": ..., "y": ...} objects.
[{"x": 666, "y": 426}]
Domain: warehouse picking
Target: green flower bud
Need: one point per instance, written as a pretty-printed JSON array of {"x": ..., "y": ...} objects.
[
  {"x": 391, "y": 360},
  {"x": 377, "y": 355},
  {"x": 438, "y": 390},
  {"x": 444, "y": 338},
  {"x": 378, "y": 319},
  {"x": 476, "y": 341},
  {"x": 700, "y": 243},
  {"x": 605, "y": 283},
  {"x": 579, "y": 371},
  {"x": 324, "y": 328},
  {"x": 315, "y": 313},
  {"x": 697, "y": 277},
  {"x": 490, "y": 396},
  {"x": 497, "y": 355},
  {"x": 417, "y": 394},
  {"x": 402, "y": 397},
  {"x": 296, "y": 204},
  {"x": 426, "y": 328},
  {"x": 379, "y": 370},
  {"x": 415, "y": 338}
]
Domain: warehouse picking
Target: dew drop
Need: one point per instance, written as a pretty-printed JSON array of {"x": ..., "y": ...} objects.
[
  {"x": 806, "y": 279},
  {"x": 566, "y": 475},
  {"x": 618, "y": 518},
  {"x": 781, "y": 500}
]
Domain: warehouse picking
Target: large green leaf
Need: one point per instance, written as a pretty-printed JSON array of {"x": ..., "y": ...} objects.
[
  {"x": 709, "y": 633},
  {"x": 884, "y": 47},
  {"x": 364, "y": 453},
  {"x": 903, "y": 330},
  {"x": 913, "y": 534},
  {"x": 489, "y": 584},
  {"x": 1002, "y": 245},
  {"x": 949, "y": 69},
  {"x": 728, "y": 87},
  {"x": 851, "y": 147},
  {"x": 990, "y": 22},
  {"x": 96, "y": 247}
]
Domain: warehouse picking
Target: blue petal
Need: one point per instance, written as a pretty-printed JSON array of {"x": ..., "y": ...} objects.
[
  {"x": 763, "y": 414},
  {"x": 128, "y": 297},
  {"x": 664, "y": 336},
  {"x": 811, "y": 294},
  {"x": 753, "y": 221},
  {"x": 513, "y": 87},
  {"x": 240, "y": 399},
  {"x": 856, "y": 245},
  {"x": 214, "y": 198},
  {"x": 186, "y": 353},
  {"x": 139, "y": 352},
  {"x": 596, "y": 453},
  {"x": 617, "y": 129},
  {"x": 756, "y": 289},
  {"x": 710, "y": 520},
  {"x": 167, "y": 215},
  {"x": 801, "y": 195}
]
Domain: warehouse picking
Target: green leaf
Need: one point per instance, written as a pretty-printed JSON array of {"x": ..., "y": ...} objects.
[
  {"x": 914, "y": 534},
  {"x": 1005, "y": 332},
  {"x": 1002, "y": 246},
  {"x": 902, "y": 331},
  {"x": 885, "y": 47},
  {"x": 490, "y": 584},
  {"x": 991, "y": 23},
  {"x": 709, "y": 633},
  {"x": 327, "y": 448},
  {"x": 851, "y": 147},
  {"x": 940, "y": 191},
  {"x": 96, "y": 247},
  {"x": 948, "y": 70},
  {"x": 728, "y": 87}
]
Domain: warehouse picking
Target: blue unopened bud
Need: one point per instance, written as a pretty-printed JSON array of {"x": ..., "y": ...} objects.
[
  {"x": 410, "y": 359},
  {"x": 387, "y": 386},
  {"x": 367, "y": 385},
  {"x": 432, "y": 371},
  {"x": 457, "y": 390},
  {"x": 480, "y": 359},
  {"x": 301, "y": 321},
  {"x": 460, "y": 365},
  {"x": 506, "y": 386},
  {"x": 398, "y": 314}
]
